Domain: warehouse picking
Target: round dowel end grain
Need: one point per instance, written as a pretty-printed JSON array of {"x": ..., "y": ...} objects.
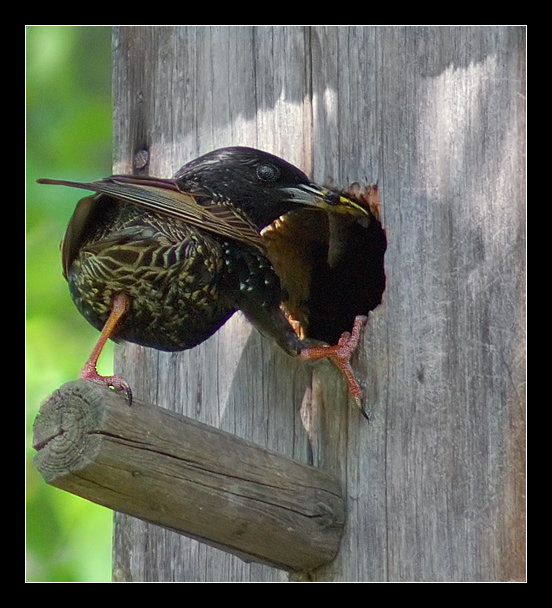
[{"x": 64, "y": 430}]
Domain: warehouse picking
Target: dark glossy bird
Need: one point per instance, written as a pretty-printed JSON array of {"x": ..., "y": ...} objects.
[{"x": 165, "y": 262}]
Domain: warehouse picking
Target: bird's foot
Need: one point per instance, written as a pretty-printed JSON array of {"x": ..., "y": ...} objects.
[
  {"x": 116, "y": 382},
  {"x": 119, "y": 308},
  {"x": 340, "y": 355}
]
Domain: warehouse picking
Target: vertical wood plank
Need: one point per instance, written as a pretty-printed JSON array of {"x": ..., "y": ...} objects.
[
  {"x": 435, "y": 484},
  {"x": 237, "y": 380},
  {"x": 346, "y": 103},
  {"x": 459, "y": 210}
]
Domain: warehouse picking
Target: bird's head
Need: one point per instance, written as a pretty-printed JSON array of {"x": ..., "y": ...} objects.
[{"x": 260, "y": 184}]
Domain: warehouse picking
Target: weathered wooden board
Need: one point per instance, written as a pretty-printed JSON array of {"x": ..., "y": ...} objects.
[
  {"x": 435, "y": 116},
  {"x": 165, "y": 468}
]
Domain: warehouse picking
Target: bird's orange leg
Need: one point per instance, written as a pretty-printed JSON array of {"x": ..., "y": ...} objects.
[
  {"x": 88, "y": 371},
  {"x": 340, "y": 355}
]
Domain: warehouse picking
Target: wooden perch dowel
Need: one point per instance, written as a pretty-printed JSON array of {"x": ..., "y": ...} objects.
[{"x": 183, "y": 475}]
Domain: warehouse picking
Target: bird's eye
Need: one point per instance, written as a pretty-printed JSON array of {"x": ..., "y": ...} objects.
[{"x": 268, "y": 172}]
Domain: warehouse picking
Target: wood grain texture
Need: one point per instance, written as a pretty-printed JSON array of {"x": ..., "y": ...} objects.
[
  {"x": 434, "y": 485},
  {"x": 165, "y": 468}
]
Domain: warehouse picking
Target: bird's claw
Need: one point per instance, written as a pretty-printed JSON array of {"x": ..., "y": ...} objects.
[
  {"x": 115, "y": 382},
  {"x": 340, "y": 355}
]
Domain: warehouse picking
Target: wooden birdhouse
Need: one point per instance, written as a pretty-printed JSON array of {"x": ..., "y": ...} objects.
[{"x": 239, "y": 463}]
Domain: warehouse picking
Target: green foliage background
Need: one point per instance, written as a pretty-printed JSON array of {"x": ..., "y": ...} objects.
[{"x": 68, "y": 135}]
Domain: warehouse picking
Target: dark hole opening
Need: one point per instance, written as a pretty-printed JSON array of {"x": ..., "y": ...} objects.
[{"x": 348, "y": 277}]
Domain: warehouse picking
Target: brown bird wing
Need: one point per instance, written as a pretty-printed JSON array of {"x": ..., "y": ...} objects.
[{"x": 164, "y": 197}]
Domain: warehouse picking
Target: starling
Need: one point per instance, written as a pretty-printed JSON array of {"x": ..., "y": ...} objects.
[{"x": 166, "y": 262}]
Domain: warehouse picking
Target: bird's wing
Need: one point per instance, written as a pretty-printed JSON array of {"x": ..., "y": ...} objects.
[{"x": 164, "y": 197}]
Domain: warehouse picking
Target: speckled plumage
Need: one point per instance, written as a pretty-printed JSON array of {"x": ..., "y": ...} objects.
[{"x": 184, "y": 284}]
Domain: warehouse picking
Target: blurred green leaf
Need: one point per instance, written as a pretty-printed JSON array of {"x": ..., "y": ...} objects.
[{"x": 68, "y": 134}]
